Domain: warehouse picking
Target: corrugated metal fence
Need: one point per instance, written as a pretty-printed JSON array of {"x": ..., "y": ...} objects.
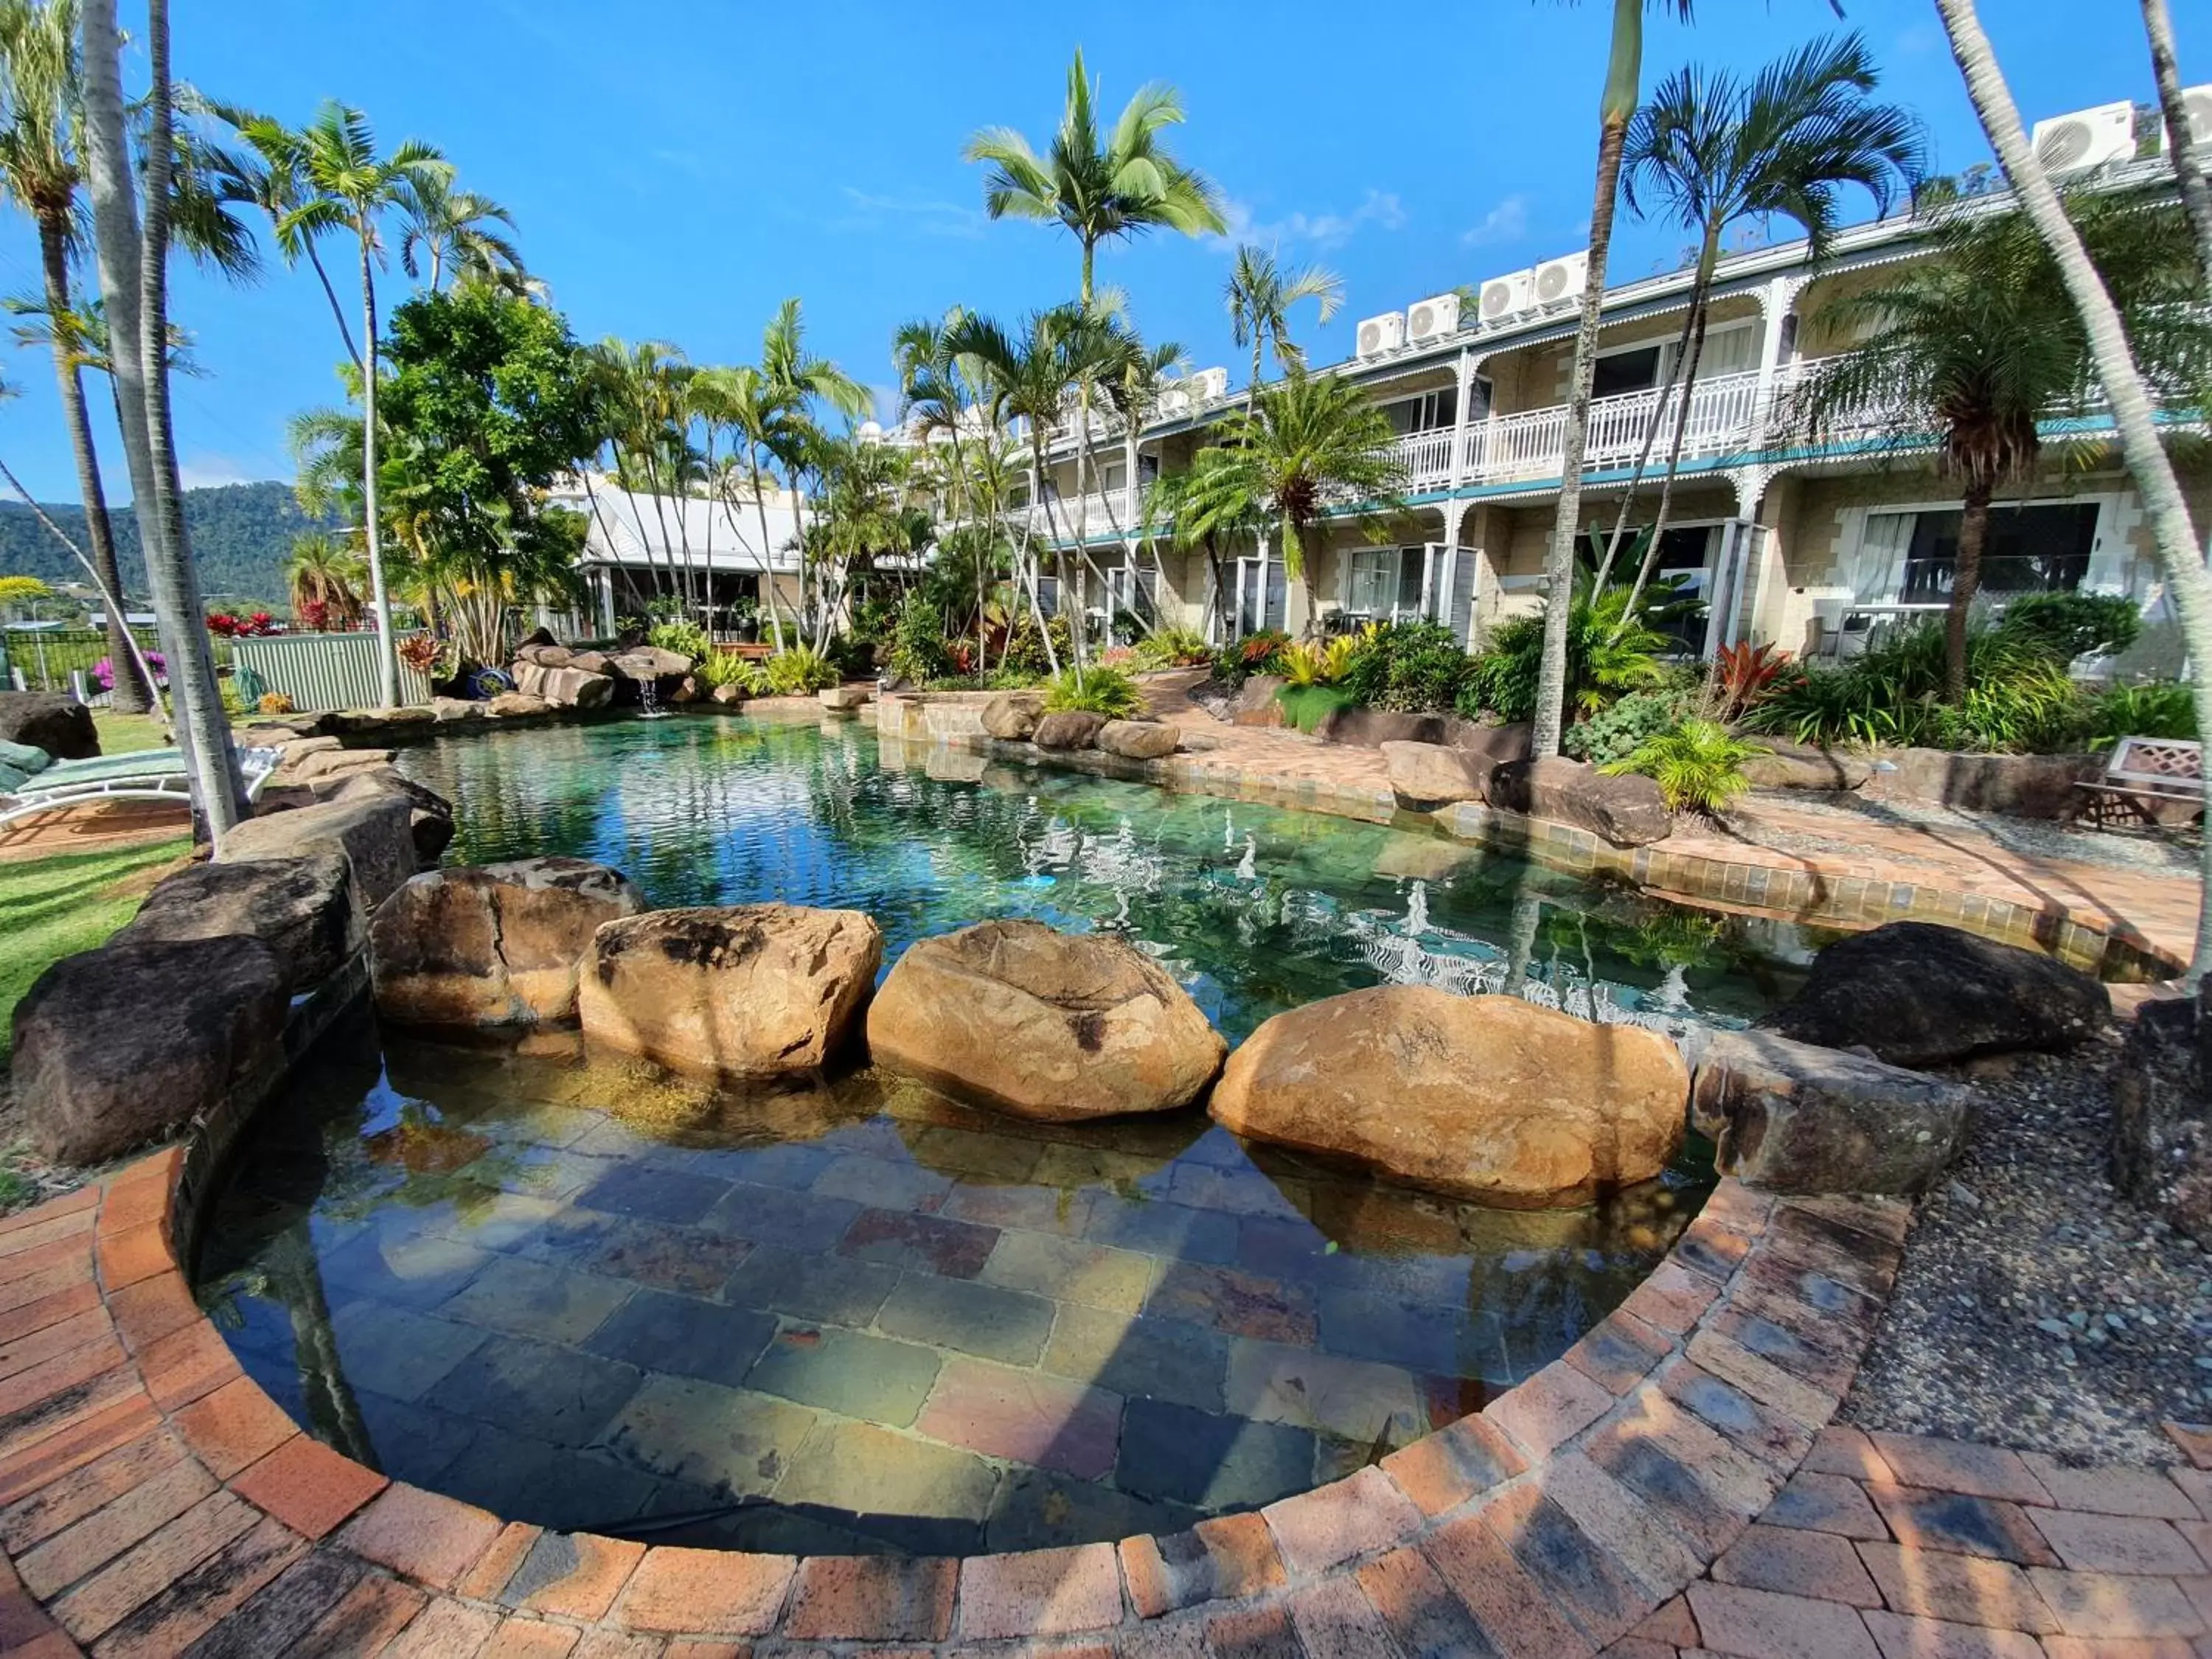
[{"x": 318, "y": 671}]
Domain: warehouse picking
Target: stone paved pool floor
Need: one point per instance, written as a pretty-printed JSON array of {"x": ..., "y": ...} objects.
[{"x": 914, "y": 1330}]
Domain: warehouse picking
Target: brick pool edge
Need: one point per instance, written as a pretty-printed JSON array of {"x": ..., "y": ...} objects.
[{"x": 151, "y": 1495}]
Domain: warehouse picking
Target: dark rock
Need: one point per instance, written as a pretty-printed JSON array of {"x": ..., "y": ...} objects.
[
  {"x": 1254, "y": 703},
  {"x": 1789, "y": 1117},
  {"x": 1363, "y": 727},
  {"x": 1915, "y": 994},
  {"x": 2019, "y": 786},
  {"x": 116, "y": 1046},
  {"x": 430, "y": 816},
  {"x": 539, "y": 636},
  {"x": 1788, "y": 765},
  {"x": 2161, "y": 1147},
  {"x": 372, "y": 829},
  {"x": 52, "y": 721},
  {"x": 302, "y": 908},
  {"x": 1498, "y": 744},
  {"x": 1626, "y": 811},
  {"x": 1073, "y": 729}
]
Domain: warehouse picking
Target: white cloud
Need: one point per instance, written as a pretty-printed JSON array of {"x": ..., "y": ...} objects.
[
  {"x": 927, "y": 217},
  {"x": 1506, "y": 222},
  {"x": 1379, "y": 209},
  {"x": 204, "y": 470}
]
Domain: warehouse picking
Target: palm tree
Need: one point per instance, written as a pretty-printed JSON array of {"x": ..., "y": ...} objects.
[
  {"x": 1624, "y": 81},
  {"x": 269, "y": 174},
  {"x": 1979, "y": 343},
  {"x": 1134, "y": 393},
  {"x": 796, "y": 374},
  {"x": 757, "y": 415},
  {"x": 937, "y": 394},
  {"x": 41, "y": 100},
  {"x": 1261, "y": 294},
  {"x": 2181, "y": 559},
  {"x": 2180, "y": 140},
  {"x": 323, "y": 571},
  {"x": 1309, "y": 442},
  {"x": 346, "y": 185},
  {"x": 1716, "y": 150},
  {"x": 459, "y": 228}
]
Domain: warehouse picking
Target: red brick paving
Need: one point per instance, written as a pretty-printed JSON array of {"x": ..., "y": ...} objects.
[{"x": 151, "y": 1496}]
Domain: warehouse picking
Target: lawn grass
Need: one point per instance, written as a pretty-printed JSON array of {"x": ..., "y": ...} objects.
[
  {"x": 127, "y": 734},
  {"x": 54, "y": 906}
]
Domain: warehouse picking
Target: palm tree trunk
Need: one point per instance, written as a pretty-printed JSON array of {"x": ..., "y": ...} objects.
[
  {"x": 1036, "y": 597},
  {"x": 1966, "y": 582},
  {"x": 2180, "y": 146},
  {"x": 767, "y": 554},
  {"x": 130, "y": 694},
  {"x": 113, "y": 596},
  {"x": 345, "y": 332},
  {"x": 1643, "y": 455},
  {"x": 130, "y": 272},
  {"x": 1651, "y": 561},
  {"x": 2181, "y": 560},
  {"x": 388, "y": 649},
  {"x": 1623, "y": 76}
]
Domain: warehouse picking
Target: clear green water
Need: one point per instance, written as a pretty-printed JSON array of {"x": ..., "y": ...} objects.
[{"x": 856, "y": 1315}]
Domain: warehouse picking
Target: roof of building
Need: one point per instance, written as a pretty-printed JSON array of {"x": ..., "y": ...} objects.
[{"x": 642, "y": 530}]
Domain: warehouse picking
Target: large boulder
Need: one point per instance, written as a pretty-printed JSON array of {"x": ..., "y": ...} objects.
[
  {"x": 844, "y": 698},
  {"x": 429, "y": 814},
  {"x": 373, "y": 830},
  {"x": 1012, "y": 716},
  {"x": 1059, "y": 1027},
  {"x": 1789, "y": 765},
  {"x": 751, "y": 990},
  {"x": 2017, "y": 786},
  {"x": 1425, "y": 774},
  {"x": 1627, "y": 811},
  {"x": 1492, "y": 745},
  {"x": 447, "y": 710},
  {"x": 1254, "y": 703},
  {"x": 493, "y": 944},
  {"x": 1915, "y": 994},
  {"x": 1789, "y": 1117},
  {"x": 52, "y": 721},
  {"x": 2161, "y": 1146},
  {"x": 1363, "y": 726},
  {"x": 304, "y": 764},
  {"x": 1140, "y": 740},
  {"x": 115, "y": 1047},
  {"x": 302, "y": 908},
  {"x": 1489, "y": 1098},
  {"x": 516, "y": 706},
  {"x": 564, "y": 688},
  {"x": 1070, "y": 729},
  {"x": 647, "y": 662}
]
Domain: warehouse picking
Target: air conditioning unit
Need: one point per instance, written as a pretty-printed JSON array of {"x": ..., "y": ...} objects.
[
  {"x": 1208, "y": 385},
  {"x": 2198, "y": 100},
  {"x": 1561, "y": 279},
  {"x": 1429, "y": 318},
  {"x": 2088, "y": 138},
  {"x": 1379, "y": 334},
  {"x": 1175, "y": 401},
  {"x": 1508, "y": 296}
]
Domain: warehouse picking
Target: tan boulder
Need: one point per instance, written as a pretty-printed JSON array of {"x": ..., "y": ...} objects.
[
  {"x": 727, "y": 694},
  {"x": 1139, "y": 739},
  {"x": 564, "y": 688},
  {"x": 750, "y": 990},
  {"x": 1434, "y": 773},
  {"x": 1057, "y": 1027},
  {"x": 515, "y": 705},
  {"x": 1012, "y": 716},
  {"x": 1071, "y": 729},
  {"x": 494, "y": 944},
  {"x": 447, "y": 710},
  {"x": 373, "y": 831},
  {"x": 844, "y": 697},
  {"x": 1489, "y": 1098}
]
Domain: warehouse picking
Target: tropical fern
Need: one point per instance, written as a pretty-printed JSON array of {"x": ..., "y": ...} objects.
[{"x": 1698, "y": 766}]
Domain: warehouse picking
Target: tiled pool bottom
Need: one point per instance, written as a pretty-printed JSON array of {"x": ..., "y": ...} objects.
[{"x": 860, "y": 1318}]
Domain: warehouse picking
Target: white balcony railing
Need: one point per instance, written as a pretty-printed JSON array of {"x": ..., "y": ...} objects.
[
  {"x": 1100, "y": 512},
  {"x": 1726, "y": 414}
]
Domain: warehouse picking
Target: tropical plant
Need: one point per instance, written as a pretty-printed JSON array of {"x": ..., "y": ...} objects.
[
  {"x": 1413, "y": 667},
  {"x": 1622, "y": 727},
  {"x": 1305, "y": 706},
  {"x": 1259, "y": 294},
  {"x": 2182, "y": 145},
  {"x": 446, "y": 227},
  {"x": 801, "y": 381},
  {"x": 1612, "y": 650},
  {"x": 2070, "y": 625},
  {"x": 1979, "y": 344},
  {"x": 345, "y": 186},
  {"x": 1320, "y": 662},
  {"x": 798, "y": 670},
  {"x": 22, "y": 590},
  {"x": 1308, "y": 444},
  {"x": 1715, "y": 149},
  {"x": 41, "y": 104},
  {"x": 1743, "y": 675},
  {"x": 2155, "y": 708},
  {"x": 1097, "y": 689},
  {"x": 1172, "y": 648},
  {"x": 720, "y": 668},
  {"x": 1697, "y": 765},
  {"x": 685, "y": 639},
  {"x": 918, "y": 653}
]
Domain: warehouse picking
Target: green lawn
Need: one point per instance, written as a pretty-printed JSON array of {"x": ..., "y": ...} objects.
[
  {"x": 126, "y": 734},
  {"x": 52, "y": 908}
]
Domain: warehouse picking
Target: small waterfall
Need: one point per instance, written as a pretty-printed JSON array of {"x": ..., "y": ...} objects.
[{"x": 649, "y": 701}]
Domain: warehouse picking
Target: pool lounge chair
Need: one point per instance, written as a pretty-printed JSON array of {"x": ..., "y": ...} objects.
[{"x": 148, "y": 775}]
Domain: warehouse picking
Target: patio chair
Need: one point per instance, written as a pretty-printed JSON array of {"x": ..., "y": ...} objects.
[
  {"x": 2150, "y": 780},
  {"x": 148, "y": 775}
]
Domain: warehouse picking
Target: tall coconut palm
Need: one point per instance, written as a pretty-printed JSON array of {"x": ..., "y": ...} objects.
[
  {"x": 1980, "y": 344},
  {"x": 1714, "y": 150},
  {"x": 2175, "y": 538},
  {"x": 756, "y": 415},
  {"x": 268, "y": 174},
  {"x": 446, "y": 227},
  {"x": 347, "y": 186},
  {"x": 134, "y": 285},
  {"x": 1133, "y": 392},
  {"x": 1259, "y": 294},
  {"x": 792, "y": 372},
  {"x": 41, "y": 104},
  {"x": 936, "y": 395},
  {"x": 1624, "y": 82},
  {"x": 2181, "y": 146},
  {"x": 1310, "y": 441}
]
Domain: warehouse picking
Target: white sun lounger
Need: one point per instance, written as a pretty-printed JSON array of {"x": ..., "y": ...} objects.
[{"x": 148, "y": 775}]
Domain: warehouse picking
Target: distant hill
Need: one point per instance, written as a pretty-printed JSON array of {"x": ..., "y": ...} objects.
[{"x": 240, "y": 535}]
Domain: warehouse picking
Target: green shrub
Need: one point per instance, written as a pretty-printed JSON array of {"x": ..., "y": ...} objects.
[
  {"x": 1697, "y": 765},
  {"x": 2070, "y": 625},
  {"x": 686, "y": 639},
  {"x": 1606, "y": 660},
  {"x": 720, "y": 668},
  {"x": 1305, "y": 706},
  {"x": 1171, "y": 647},
  {"x": 1093, "y": 691},
  {"x": 1256, "y": 653},
  {"x": 1412, "y": 667},
  {"x": 2157, "y": 708},
  {"x": 1616, "y": 732},
  {"x": 799, "y": 669},
  {"x": 1011, "y": 679},
  {"x": 1024, "y": 651},
  {"x": 918, "y": 650}
]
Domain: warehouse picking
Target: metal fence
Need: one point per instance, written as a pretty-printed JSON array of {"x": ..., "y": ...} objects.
[
  {"x": 52, "y": 659},
  {"x": 318, "y": 671}
]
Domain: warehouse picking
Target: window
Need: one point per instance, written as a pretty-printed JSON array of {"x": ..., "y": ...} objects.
[
  {"x": 1429, "y": 412},
  {"x": 1635, "y": 370},
  {"x": 1908, "y": 558},
  {"x": 1385, "y": 582}
]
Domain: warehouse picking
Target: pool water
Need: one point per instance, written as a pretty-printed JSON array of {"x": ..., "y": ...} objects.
[{"x": 854, "y": 1316}]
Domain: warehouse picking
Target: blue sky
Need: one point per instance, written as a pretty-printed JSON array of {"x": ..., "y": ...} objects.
[{"x": 676, "y": 169}]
